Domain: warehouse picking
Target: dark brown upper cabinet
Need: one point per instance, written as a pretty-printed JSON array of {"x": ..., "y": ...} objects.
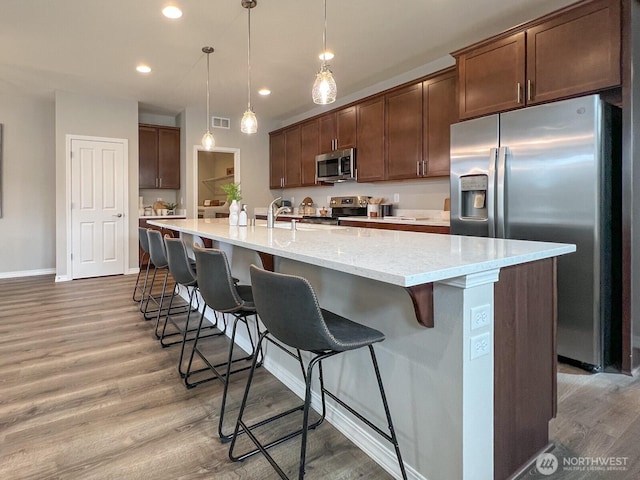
[
  {"x": 158, "y": 157},
  {"x": 573, "y": 51},
  {"x": 338, "y": 130},
  {"x": 309, "y": 148},
  {"x": 370, "y": 159},
  {"x": 403, "y": 128},
  {"x": 439, "y": 112}
]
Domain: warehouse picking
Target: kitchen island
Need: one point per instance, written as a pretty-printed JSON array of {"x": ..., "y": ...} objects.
[{"x": 441, "y": 381}]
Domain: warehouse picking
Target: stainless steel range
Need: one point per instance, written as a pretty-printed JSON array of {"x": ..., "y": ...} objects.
[{"x": 355, "y": 206}]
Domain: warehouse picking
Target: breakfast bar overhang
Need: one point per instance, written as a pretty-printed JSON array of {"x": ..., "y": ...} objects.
[{"x": 462, "y": 406}]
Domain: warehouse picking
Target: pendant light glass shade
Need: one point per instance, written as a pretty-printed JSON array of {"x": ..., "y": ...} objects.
[
  {"x": 324, "y": 88},
  {"x": 249, "y": 122},
  {"x": 208, "y": 142}
]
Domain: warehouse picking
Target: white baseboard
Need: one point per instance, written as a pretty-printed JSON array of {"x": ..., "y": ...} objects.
[
  {"x": 132, "y": 271},
  {"x": 380, "y": 451},
  {"x": 28, "y": 273}
]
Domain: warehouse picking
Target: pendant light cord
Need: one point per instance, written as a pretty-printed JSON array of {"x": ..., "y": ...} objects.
[
  {"x": 208, "y": 118},
  {"x": 249, "y": 58},
  {"x": 324, "y": 36}
]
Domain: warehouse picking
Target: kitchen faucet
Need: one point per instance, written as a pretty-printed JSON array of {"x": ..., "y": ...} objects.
[{"x": 272, "y": 212}]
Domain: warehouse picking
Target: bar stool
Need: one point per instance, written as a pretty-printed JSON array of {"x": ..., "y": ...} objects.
[
  {"x": 297, "y": 321},
  {"x": 159, "y": 258},
  {"x": 221, "y": 293},
  {"x": 144, "y": 246},
  {"x": 182, "y": 269}
]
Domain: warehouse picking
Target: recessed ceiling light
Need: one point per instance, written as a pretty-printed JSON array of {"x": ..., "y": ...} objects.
[
  {"x": 143, "y": 68},
  {"x": 172, "y": 11},
  {"x": 264, "y": 91},
  {"x": 326, "y": 56}
]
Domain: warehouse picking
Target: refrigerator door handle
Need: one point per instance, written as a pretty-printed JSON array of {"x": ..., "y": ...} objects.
[
  {"x": 491, "y": 184},
  {"x": 500, "y": 192}
]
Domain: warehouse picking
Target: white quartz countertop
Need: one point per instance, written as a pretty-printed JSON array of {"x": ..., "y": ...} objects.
[{"x": 396, "y": 257}]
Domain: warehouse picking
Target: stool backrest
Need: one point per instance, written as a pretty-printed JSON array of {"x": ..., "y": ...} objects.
[
  {"x": 215, "y": 281},
  {"x": 156, "y": 248},
  {"x": 289, "y": 308},
  {"x": 178, "y": 261},
  {"x": 144, "y": 239}
]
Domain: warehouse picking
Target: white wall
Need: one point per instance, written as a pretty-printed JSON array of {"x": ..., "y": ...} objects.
[
  {"x": 254, "y": 158},
  {"x": 27, "y": 225},
  {"x": 100, "y": 117}
]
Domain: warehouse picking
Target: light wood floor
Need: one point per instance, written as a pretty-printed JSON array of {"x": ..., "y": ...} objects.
[{"x": 86, "y": 392}]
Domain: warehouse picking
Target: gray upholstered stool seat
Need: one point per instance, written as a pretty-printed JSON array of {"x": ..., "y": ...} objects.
[{"x": 289, "y": 309}]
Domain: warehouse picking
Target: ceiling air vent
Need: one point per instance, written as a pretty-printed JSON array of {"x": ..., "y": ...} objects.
[{"x": 221, "y": 122}]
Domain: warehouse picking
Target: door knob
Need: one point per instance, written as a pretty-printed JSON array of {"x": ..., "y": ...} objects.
[{"x": 118, "y": 215}]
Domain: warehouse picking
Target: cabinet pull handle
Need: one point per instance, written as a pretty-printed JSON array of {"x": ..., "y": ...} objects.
[
  {"x": 519, "y": 93},
  {"x": 417, "y": 169},
  {"x": 160, "y": 183},
  {"x": 424, "y": 168},
  {"x": 529, "y": 88}
]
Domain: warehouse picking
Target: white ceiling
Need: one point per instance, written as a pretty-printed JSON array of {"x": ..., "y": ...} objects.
[{"x": 92, "y": 47}]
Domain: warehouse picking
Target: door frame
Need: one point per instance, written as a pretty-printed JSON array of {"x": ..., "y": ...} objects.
[
  {"x": 125, "y": 176},
  {"x": 236, "y": 170}
]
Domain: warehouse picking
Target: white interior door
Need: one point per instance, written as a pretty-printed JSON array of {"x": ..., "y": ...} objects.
[{"x": 97, "y": 208}]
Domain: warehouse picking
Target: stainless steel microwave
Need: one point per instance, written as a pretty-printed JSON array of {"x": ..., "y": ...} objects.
[{"x": 337, "y": 166}]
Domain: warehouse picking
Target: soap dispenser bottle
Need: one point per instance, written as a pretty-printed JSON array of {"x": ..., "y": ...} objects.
[{"x": 242, "y": 216}]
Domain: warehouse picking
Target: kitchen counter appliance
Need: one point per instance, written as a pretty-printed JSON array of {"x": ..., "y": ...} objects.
[
  {"x": 552, "y": 173},
  {"x": 355, "y": 206},
  {"x": 337, "y": 166}
]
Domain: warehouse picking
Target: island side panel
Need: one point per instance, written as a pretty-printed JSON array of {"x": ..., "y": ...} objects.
[{"x": 525, "y": 363}]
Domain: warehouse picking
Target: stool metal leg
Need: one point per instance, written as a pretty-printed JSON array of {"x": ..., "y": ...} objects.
[{"x": 137, "y": 287}]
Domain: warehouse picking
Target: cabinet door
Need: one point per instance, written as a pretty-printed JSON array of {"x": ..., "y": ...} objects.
[
  {"x": 147, "y": 157},
  {"x": 276, "y": 160},
  {"x": 370, "y": 140},
  {"x": 491, "y": 77},
  {"x": 346, "y": 127},
  {"x": 328, "y": 132},
  {"x": 439, "y": 97},
  {"x": 309, "y": 138},
  {"x": 576, "y": 52},
  {"x": 169, "y": 158},
  {"x": 292, "y": 157},
  {"x": 403, "y": 118}
]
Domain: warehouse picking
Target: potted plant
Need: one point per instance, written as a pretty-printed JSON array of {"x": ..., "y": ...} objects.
[
  {"x": 232, "y": 190},
  {"x": 233, "y": 195},
  {"x": 171, "y": 207}
]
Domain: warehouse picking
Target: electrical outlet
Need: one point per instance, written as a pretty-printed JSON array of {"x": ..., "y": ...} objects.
[
  {"x": 396, "y": 198},
  {"x": 480, "y": 345},
  {"x": 480, "y": 316}
]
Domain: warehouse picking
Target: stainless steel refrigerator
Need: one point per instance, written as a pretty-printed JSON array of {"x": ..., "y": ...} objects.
[{"x": 552, "y": 173}]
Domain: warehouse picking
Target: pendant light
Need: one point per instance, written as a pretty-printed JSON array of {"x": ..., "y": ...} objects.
[
  {"x": 324, "y": 88},
  {"x": 208, "y": 142},
  {"x": 249, "y": 123}
]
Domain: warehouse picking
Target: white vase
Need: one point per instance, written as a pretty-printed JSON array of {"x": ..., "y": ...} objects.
[{"x": 234, "y": 208}]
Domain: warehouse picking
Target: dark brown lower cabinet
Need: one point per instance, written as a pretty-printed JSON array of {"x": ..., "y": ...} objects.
[{"x": 525, "y": 378}]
